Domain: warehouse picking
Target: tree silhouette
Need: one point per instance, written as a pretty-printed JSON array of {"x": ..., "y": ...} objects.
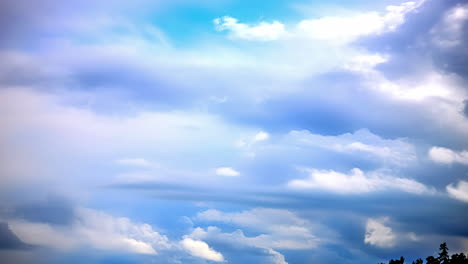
[
  {"x": 443, "y": 254},
  {"x": 397, "y": 261},
  {"x": 431, "y": 260},
  {"x": 459, "y": 259},
  {"x": 443, "y": 258}
]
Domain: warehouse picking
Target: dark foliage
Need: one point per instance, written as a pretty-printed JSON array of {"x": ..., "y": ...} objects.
[{"x": 443, "y": 258}]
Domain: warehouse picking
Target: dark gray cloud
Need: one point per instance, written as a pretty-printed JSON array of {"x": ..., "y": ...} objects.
[
  {"x": 8, "y": 240},
  {"x": 54, "y": 210},
  {"x": 338, "y": 103},
  {"x": 410, "y": 211},
  {"x": 412, "y": 46}
]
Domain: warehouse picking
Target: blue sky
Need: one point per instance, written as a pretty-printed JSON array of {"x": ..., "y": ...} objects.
[{"x": 232, "y": 131}]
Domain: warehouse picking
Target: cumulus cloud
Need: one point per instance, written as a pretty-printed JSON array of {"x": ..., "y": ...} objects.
[
  {"x": 93, "y": 229},
  {"x": 434, "y": 85},
  {"x": 378, "y": 234},
  {"x": 333, "y": 29},
  {"x": 8, "y": 240},
  {"x": 237, "y": 239},
  {"x": 261, "y": 136},
  {"x": 458, "y": 191},
  {"x": 276, "y": 257},
  {"x": 356, "y": 182},
  {"x": 346, "y": 29},
  {"x": 200, "y": 249},
  {"x": 431, "y": 90},
  {"x": 448, "y": 156},
  {"x": 281, "y": 229},
  {"x": 227, "y": 171},
  {"x": 449, "y": 32},
  {"x": 45, "y": 235},
  {"x": 262, "y": 31}
]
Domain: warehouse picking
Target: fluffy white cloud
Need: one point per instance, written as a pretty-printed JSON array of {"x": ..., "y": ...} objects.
[
  {"x": 458, "y": 191},
  {"x": 356, "y": 182},
  {"x": 378, "y": 234},
  {"x": 201, "y": 249},
  {"x": 227, "y": 171},
  {"x": 448, "y": 33},
  {"x": 94, "y": 229},
  {"x": 433, "y": 91},
  {"x": 276, "y": 257},
  {"x": 281, "y": 229},
  {"x": 44, "y": 235},
  {"x": 346, "y": 29},
  {"x": 333, "y": 29},
  {"x": 433, "y": 85},
  {"x": 262, "y": 31},
  {"x": 448, "y": 156},
  {"x": 261, "y": 136},
  {"x": 237, "y": 239}
]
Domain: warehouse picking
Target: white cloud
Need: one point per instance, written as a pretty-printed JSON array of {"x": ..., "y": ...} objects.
[
  {"x": 227, "y": 171},
  {"x": 43, "y": 235},
  {"x": 361, "y": 142},
  {"x": 259, "y": 218},
  {"x": 365, "y": 63},
  {"x": 261, "y": 136},
  {"x": 433, "y": 85},
  {"x": 237, "y": 239},
  {"x": 262, "y": 31},
  {"x": 346, "y": 29},
  {"x": 356, "y": 182},
  {"x": 448, "y": 33},
  {"x": 378, "y": 234},
  {"x": 338, "y": 30},
  {"x": 70, "y": 129},
  {"x": 201, "y": 249},
  {"x": 448, "y": 156},
  {"x": 276, "y": 257},
  {"x": 94, "y": 229},
  {"x": 137, "y": 162},
  {"x": 458, "y": 191},
  {"x": 249, "y": 143},
  {"x": 281, "y": 229},
  {"x": 432, "y": 91}
]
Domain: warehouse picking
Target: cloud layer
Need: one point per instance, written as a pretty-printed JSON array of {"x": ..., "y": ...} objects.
[{"x": 200, "y": 131}]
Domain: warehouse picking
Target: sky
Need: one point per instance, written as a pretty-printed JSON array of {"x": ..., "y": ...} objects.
[{"x": 232, "y": 131}]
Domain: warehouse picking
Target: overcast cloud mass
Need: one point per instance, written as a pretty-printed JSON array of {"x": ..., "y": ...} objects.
[{"x": 232, "y": 131}]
